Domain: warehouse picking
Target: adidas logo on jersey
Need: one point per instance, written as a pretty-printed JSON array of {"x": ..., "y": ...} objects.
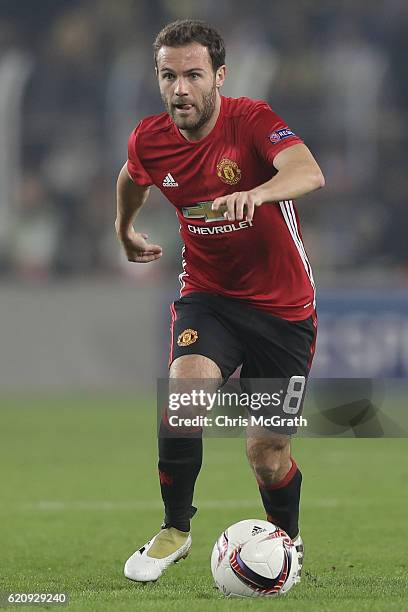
[
  {"x": 169, "y": 181},
  {"x": 257, "y": 530}
]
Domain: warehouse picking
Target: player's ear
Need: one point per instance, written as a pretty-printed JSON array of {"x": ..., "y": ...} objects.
[{"x": 220, "y": 76}]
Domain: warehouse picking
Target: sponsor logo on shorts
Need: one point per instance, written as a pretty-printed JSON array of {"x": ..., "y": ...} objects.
[
  {"x": 228, "y": 171},
  {"x": 187, "y": 337},
  {"x": 281, "y": 134}
]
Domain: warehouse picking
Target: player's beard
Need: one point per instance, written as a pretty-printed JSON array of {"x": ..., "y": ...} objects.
[{"x": 203, "y": 112}]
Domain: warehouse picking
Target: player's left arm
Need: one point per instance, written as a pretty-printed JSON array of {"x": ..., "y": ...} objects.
[{"x": 298, "y": 173}]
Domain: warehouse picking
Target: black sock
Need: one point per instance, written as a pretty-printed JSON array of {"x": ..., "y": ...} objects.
[
  {"x": 281, "y": 501},
  {"x": 180, "y": 461}
]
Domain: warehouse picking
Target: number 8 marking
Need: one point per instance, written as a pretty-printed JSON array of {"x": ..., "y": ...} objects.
[{"x": 294, "y": 391}]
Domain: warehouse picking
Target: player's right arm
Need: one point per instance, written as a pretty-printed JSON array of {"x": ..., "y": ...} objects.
[{"x": 130, "y": 198}]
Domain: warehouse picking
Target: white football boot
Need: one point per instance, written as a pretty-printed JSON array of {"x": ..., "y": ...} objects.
[
  {"x": 300, "y": 549},
  {"x": 141, "y": 567}
]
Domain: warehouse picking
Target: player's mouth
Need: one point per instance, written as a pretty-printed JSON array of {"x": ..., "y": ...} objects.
[{"x": 183, "y": 108}]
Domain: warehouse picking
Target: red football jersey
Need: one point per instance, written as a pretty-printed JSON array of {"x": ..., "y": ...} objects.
[{"x": 261, "y": 262}]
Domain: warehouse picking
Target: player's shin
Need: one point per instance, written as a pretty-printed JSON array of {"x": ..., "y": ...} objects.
[
  {"x": 180, "y": 460},
  {"x": 281, "y": 501}
]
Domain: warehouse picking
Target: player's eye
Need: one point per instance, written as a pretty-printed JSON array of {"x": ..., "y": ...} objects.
[
  {"x": 194, "y": 75},
  {"x": 168, "y": 76}
]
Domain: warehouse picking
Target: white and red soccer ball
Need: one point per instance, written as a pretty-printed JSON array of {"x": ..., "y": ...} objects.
[{"x": 254, "y": 558}]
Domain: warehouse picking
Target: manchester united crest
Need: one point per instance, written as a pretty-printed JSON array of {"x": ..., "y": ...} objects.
[
  {"x": 228, "y": 171},
  {"x": 187, "y": 337}
]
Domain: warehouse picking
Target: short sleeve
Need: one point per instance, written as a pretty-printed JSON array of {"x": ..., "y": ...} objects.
[
  {"x": 135, "y": 168},
  {"x": 269, "y": 133}
]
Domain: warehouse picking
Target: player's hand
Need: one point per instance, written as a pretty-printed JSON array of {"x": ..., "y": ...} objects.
[
  {"x": 238, "y": 205},
  {"x": 137, "y": 248}
]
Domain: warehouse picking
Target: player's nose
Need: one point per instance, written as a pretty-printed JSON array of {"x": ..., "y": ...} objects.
[{"x": 181, "y": 87}]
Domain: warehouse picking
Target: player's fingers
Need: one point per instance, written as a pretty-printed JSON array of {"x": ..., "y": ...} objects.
[
  {"x": 152, "y": 257},
  {"x": 155, "y": 248},
  {"x": 222, "y": 210},
  {"x": 250, "y": 207},
  {"x": 138, "y": 254},
  {"x": 218, "y": 202},
  {"x": 146, "y": 257},
  {"x": 239, "y": 206},
  {"x": 230, "y": 214}
]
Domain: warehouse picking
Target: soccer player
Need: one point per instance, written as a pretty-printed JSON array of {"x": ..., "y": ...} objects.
[{"x": 231, "y": 168}]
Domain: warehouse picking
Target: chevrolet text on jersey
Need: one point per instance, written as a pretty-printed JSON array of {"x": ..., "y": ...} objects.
[{"x": 219, "y": 229}]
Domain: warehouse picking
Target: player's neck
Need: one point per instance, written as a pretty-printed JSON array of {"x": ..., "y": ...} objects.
[{"x": 195, "y": 135}]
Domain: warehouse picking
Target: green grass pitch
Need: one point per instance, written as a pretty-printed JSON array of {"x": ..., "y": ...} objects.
[{"x": 79, "y": 493}]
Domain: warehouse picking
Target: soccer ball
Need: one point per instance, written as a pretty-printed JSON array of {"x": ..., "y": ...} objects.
[{"x": 254, "y": 559}]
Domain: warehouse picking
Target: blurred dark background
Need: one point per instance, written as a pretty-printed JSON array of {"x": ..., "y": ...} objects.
[{"x": 77, "y": 75}]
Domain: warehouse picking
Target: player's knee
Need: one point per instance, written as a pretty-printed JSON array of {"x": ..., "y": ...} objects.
[
  {"x": 268, "y": 458},
  {"x": 267, "y": 475},
  {"x": 259, "y": 448},
  {"x": 195, "y": 366},
  {"x": 191, "y": 374}
]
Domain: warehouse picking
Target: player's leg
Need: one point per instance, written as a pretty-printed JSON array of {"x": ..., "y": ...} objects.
[
  {"x": 278, "y": 349},
  {"x": 180, "y": 458},
  {"x": 180, "y": 454},
  {"x": 202, "y": 349},
  {"x": 279, "y": 479}
]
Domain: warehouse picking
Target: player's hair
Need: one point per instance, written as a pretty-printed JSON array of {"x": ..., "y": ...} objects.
[{"x": 185, "y": 31}]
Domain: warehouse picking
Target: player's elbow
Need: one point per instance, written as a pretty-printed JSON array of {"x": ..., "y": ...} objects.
[
  {"x": 318, "y": 178},
  {"x": 312, "y": 177}
]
